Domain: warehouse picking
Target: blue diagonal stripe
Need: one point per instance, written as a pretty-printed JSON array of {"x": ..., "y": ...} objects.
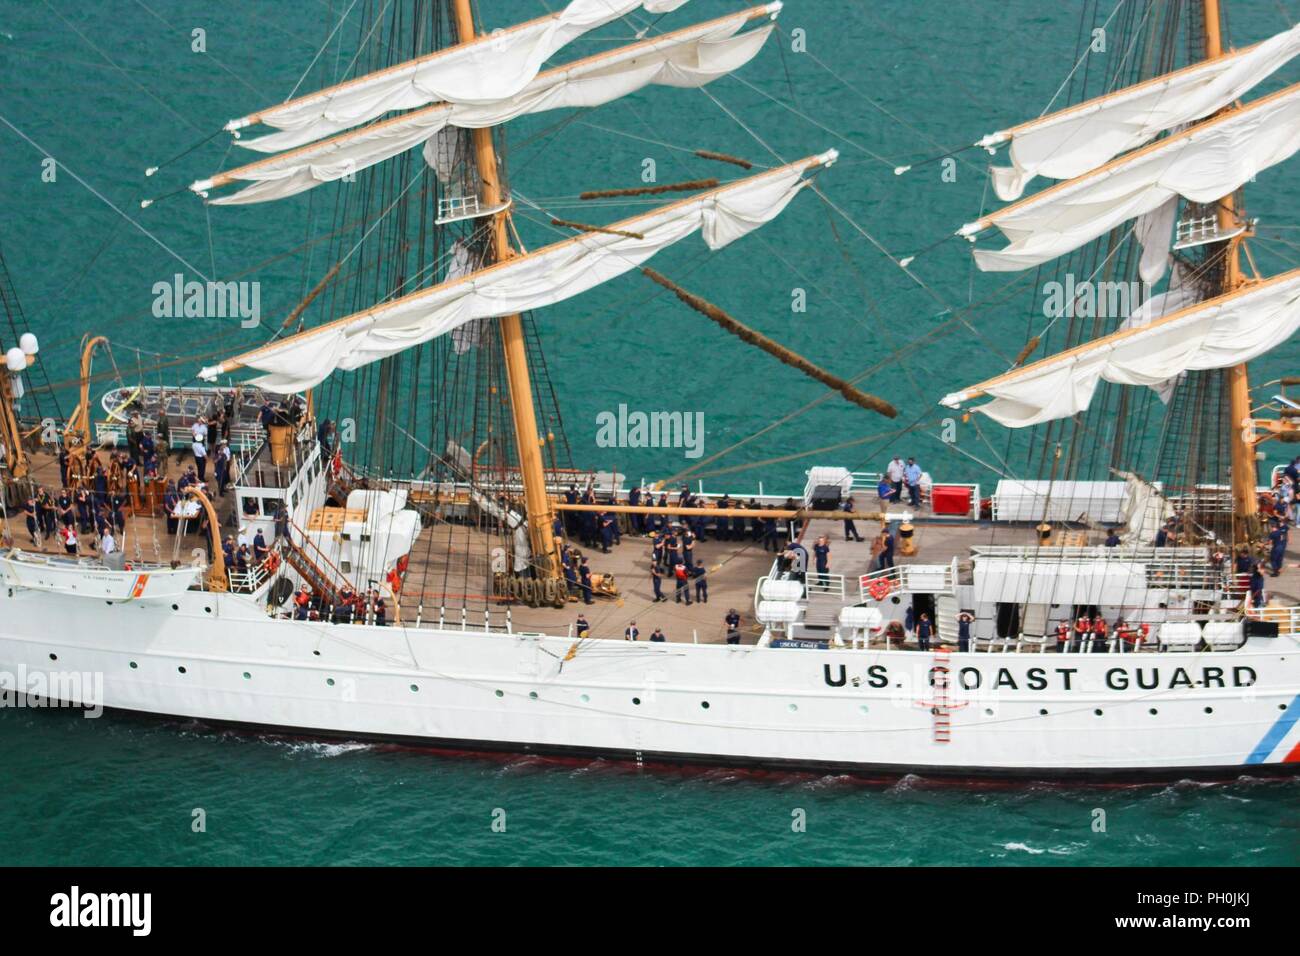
[{"x": 1276, "y": 732}]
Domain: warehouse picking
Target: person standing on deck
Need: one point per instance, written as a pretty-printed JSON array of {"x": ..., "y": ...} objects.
[
  {"x": 732, "y": 621},
  {"x": 894, "y": 473},
  {"x": 606, "y": 531},
  {"x": 282, "y": 526},
  {"x": 584, "y": 580},
  {"x": 912, "y": 476},
  {"x": 1277, "y": 550},
  {"x": 701, "y": 585},
  {"x": 770, "y": 536},
  {"x": 923, "y": 632},
  {"x": 1112, "y": 538},
  {"x": 570, "y": 574},
  {"x": 46, "y": 512},
  {"x": 64, "y": 505},
  {"x": 199, "y": 445},
  {"x": 260, "y": 550},
  {"x": 680, "y": 575},
  {"x": 657, "y": 581},
  {"x": 822, "y": 554},
  {"x": 630, "y": 633},
  {"x": 964, "y": 620},
  {"x": 221, "y": 466},
  {"x": 886, "y": 549},
  {"x": 658, "y": 636},
  {"x": 1256, "y": 587},
  {"x": 581, "y": 628},
  {"x": 688, "y": 548},
  {"x": 885, "y": 491},
  {"x": 85, "y": 511},
  {"x": 29, "y": 511},
  {"x": 722, "y": 525},
  {"x": 638, "y": 521},
  {"x": 850, "y": 529},
  {"x": 69, "y": 535},
  {"x": 671, "y": 556},
  {"x": 1062, "y": 637}
]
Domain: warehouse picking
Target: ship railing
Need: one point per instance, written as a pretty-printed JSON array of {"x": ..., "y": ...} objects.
[
  {"x": 921, "y": 578},
  {"x": 1287, "y": 619},
  {"x": 247, "y": 582},
  {"x": 824, "y": 584}
]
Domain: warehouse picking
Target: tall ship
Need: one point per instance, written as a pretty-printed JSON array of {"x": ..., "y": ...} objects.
[{"x": 371, "y": 525}]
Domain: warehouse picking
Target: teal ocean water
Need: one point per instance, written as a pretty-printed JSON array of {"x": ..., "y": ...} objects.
[{"x": 109, "y": 87}]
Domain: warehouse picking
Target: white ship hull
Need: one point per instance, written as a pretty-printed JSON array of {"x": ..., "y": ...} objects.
[{"x": 218, "y": 658}]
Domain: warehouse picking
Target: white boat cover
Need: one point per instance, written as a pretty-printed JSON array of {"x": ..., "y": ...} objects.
[
  {"x": 1074, "y": 141},
  {"x": 1216, "y": 333},
  {"x": 1053, "y": 581},
  {"x": 545, "y": 277},
  {"x": 686, "y": 58},
  {"x": 1202, "y": 164},
  {"x": 489, "y": 69}
]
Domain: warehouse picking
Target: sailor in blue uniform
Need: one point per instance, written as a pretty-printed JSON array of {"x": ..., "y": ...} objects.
[
  {"x": 658, "y": 636},
  {"x": 29, "y": 512},
  {"x": 822, "y": 554},
  {"x": 638, "y": 521},
  {"x": 732, "y": 620},
  {"x": 722, "y": 525},
  {"x": 886, "y": 549},
  {"x": 701, "y": 585},
  {"x": 581, "y": 627},
  {"x": 964, "y": 621},
  {"x": 850, "y": 529},
  {"x": 657, "y": 581},
  {"x": 584, "y": 579},
  {"x": 1277, "y": 550},
  {"x": 630, "y": 633},
  {"x": 606, "y": 531}
]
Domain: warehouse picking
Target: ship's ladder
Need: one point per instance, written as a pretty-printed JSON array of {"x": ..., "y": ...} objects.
[{"x": 941, "y": 706}]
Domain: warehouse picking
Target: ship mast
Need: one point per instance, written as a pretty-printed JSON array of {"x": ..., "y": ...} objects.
[
  {"x": 1244, "y": 478},
  {"x": 527, "y": 439}
]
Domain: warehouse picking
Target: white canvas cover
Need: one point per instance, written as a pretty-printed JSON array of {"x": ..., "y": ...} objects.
[
  {"x": 1202, "y": 164},
  {"x": 1052, "y": 581},
  {"x": 1037, "y": 500},
  {"x": 1074, "y": 141},
  {"x": 1217, "y": 333},
  {"x": 545, "y": 277},
  {"x": 489, "y": 69},
  {"x": 686, "y": 58}
]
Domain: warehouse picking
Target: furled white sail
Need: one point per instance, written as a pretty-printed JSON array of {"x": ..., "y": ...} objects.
[
  {"x": 545, "y": 277},
  {"x": 1073, "y": 141},
  {"x": 488, "y": 69},
  {"x": 1203, "y": 164},
  {"x": 1216, "y": 333},
  {"x": 684, "y": 58}
]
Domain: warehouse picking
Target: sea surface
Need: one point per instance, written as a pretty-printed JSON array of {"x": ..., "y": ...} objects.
[{"x": 108, "y": 88}]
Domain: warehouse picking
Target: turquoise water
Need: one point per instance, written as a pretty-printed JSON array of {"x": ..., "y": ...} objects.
[{"x": 108, "y": 89}]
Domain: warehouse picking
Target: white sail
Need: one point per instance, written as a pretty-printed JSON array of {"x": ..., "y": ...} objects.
[
  {"x": 549, "y": 275},
  {"x": 1216, "y": 333},
  {"x": 1202, "y": 164},
  {"x": 487, "y": 69},
  {"x": 690, "y": 57},
  {"x": 1076, "y": 140}
]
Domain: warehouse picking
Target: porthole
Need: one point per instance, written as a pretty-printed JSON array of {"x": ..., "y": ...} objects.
[
  {"x": 54, "y": 657},
  {"x": 176, "y": 607},
  {"x": 134, "y": 665},
  {"x": 704, "y": 704},
  {"x": 864, "y": 709},
  {"x": 501, "y": 693},
  {"x": 109, "y": 603},
  {"x": 1153, "y": 712},
  {"x": 181, "y": 669},
  {"x": 1281, "y": 706},
  {"x": 247, "y": 676},
  {"x": 988, "y": 711},
  {"x": 1209, "y": 710},
  {"x": 532, "y": 695},
  {"x": 636, "y": 701},
  {"x": 329, "y": 682},
  {"x": 1042, "y": 712},
  {"x": 1097, "y": 711},
  {"x": 793, "y": 708},
  {"x": 317, "y": 653},
  {"x": 415, "y": 688},
  {"x": 585, "y": 699},
  {"x": 206, "y": 610}
]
